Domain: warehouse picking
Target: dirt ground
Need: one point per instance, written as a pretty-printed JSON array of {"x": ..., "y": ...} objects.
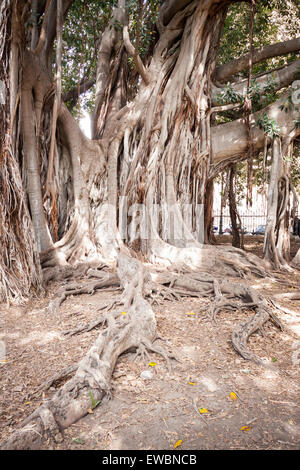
[{"x": 212, "y": 399}]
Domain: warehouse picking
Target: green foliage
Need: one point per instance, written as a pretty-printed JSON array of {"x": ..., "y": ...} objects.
[
  {"x": 288, "y": 104},
  {"x": 81, "y": 34},
  {"x": 82, "y": 31},
  {"x": 268, "y": 125},
  {"x": 229, "y": 95},
  {"x": 275, "y": 20},
  {"x": 95, "y": 404},
  {"x": 262, "y": 96},
  {"x": 144, "y": 29}
]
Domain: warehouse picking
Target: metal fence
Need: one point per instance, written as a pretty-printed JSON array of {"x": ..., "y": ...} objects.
[{"x": 250, "y": 222}]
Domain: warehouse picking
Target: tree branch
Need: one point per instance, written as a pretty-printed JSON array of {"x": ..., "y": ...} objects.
[
  {"x": 224, "y": 72},
  {"x": 85, "y": 85},
  {"x": 48, "y": 31},
  {"x": 134, "y": 53},
  {"x": 231, "y": 139},
  {"x": 170, "y": 8},
  {"x": 282, "y": 78}
]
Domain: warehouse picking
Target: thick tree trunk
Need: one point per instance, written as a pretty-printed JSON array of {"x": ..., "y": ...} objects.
[
  {"x": 277, "y": 235},
  {"x": 20, "y": 271}
]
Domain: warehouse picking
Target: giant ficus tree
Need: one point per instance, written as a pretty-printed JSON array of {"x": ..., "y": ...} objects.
[{"x": 158, "y": 141}]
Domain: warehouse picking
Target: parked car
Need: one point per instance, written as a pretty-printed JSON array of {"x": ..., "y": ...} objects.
[
  {"x": 228, "y": 230},
  {"x": 260, "y": 230}
]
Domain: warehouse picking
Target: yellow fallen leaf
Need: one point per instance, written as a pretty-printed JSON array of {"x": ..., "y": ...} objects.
[
  {"x": 246, "y": 428},
  {"x": 90, "y": 411},
  {"x": 192, "y": 383},
  {"x": 233, "y": 396},
  {"x": 178, "y": 443},
  {"x": 152, "y": 364},
  {"x": 123, "y": 313},
  {"x": 190, "y": 313},
  {"x": 203, "y": 410},
  {"x": 28, "y": 403}
]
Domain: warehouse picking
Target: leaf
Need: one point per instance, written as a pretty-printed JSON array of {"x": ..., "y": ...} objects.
[
  {"x": 233, "y": 396},
  {"x": 28, "y": 403},
  {"x": 192, "y": 383},
  {"x": 92, "y": 400},
  {"x": 123, "y": 313},
  {"x": 178, "y": 443},
  {"x": 90, "y": 411},
  {"x": 190, "y": 313},
  {"x": 203, "y": 410},
  {"x": 274, "y": 359},
  {"x": 246, "y": 428},
  {"x": 152, "y": 364},
  {"x": 77, "y": 440}
]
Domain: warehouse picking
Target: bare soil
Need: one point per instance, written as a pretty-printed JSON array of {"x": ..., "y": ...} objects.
[{"x": 157, "y": 413}]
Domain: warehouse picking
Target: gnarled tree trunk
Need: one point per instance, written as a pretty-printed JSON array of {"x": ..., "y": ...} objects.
[{"x": 20, "y": 271}]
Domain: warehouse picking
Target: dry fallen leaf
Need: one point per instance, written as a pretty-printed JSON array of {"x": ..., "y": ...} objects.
[
  {"x": 178, "y": 443},
  {"x": 246, "y": 428},
  {"x": 233, "y": 396},
  {"x": 90, "y": 410},
  {"x": 192, "y": 383},
  {"x": 203, "y": 410},
  {"x": 152, "y": 364}
]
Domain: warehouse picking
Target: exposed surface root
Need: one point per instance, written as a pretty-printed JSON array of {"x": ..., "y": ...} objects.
[
  {"x": 64, "y": 273},
  {"x": 56, "y": 378},
  {"x": 109, "y": 319},
  {"x": 129, "y": 324},
  {"x": 288, "y": 295},
  {"x": 232, "y": 296},
  {"x": 91, "y": 382},
  {"x": 108, "y": 280}
]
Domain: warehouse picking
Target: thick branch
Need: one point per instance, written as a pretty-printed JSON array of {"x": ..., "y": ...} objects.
[
  {"x": 170, "y": 8},
  {"x": 281, "y": 78},
  {"x": 133, "y": 52},
  {"x": 85, "y": 85},
  {"x": 48, "y": 31},
  {"x": 231, "y": 139},
  {"x": 224, "y": 72}
]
